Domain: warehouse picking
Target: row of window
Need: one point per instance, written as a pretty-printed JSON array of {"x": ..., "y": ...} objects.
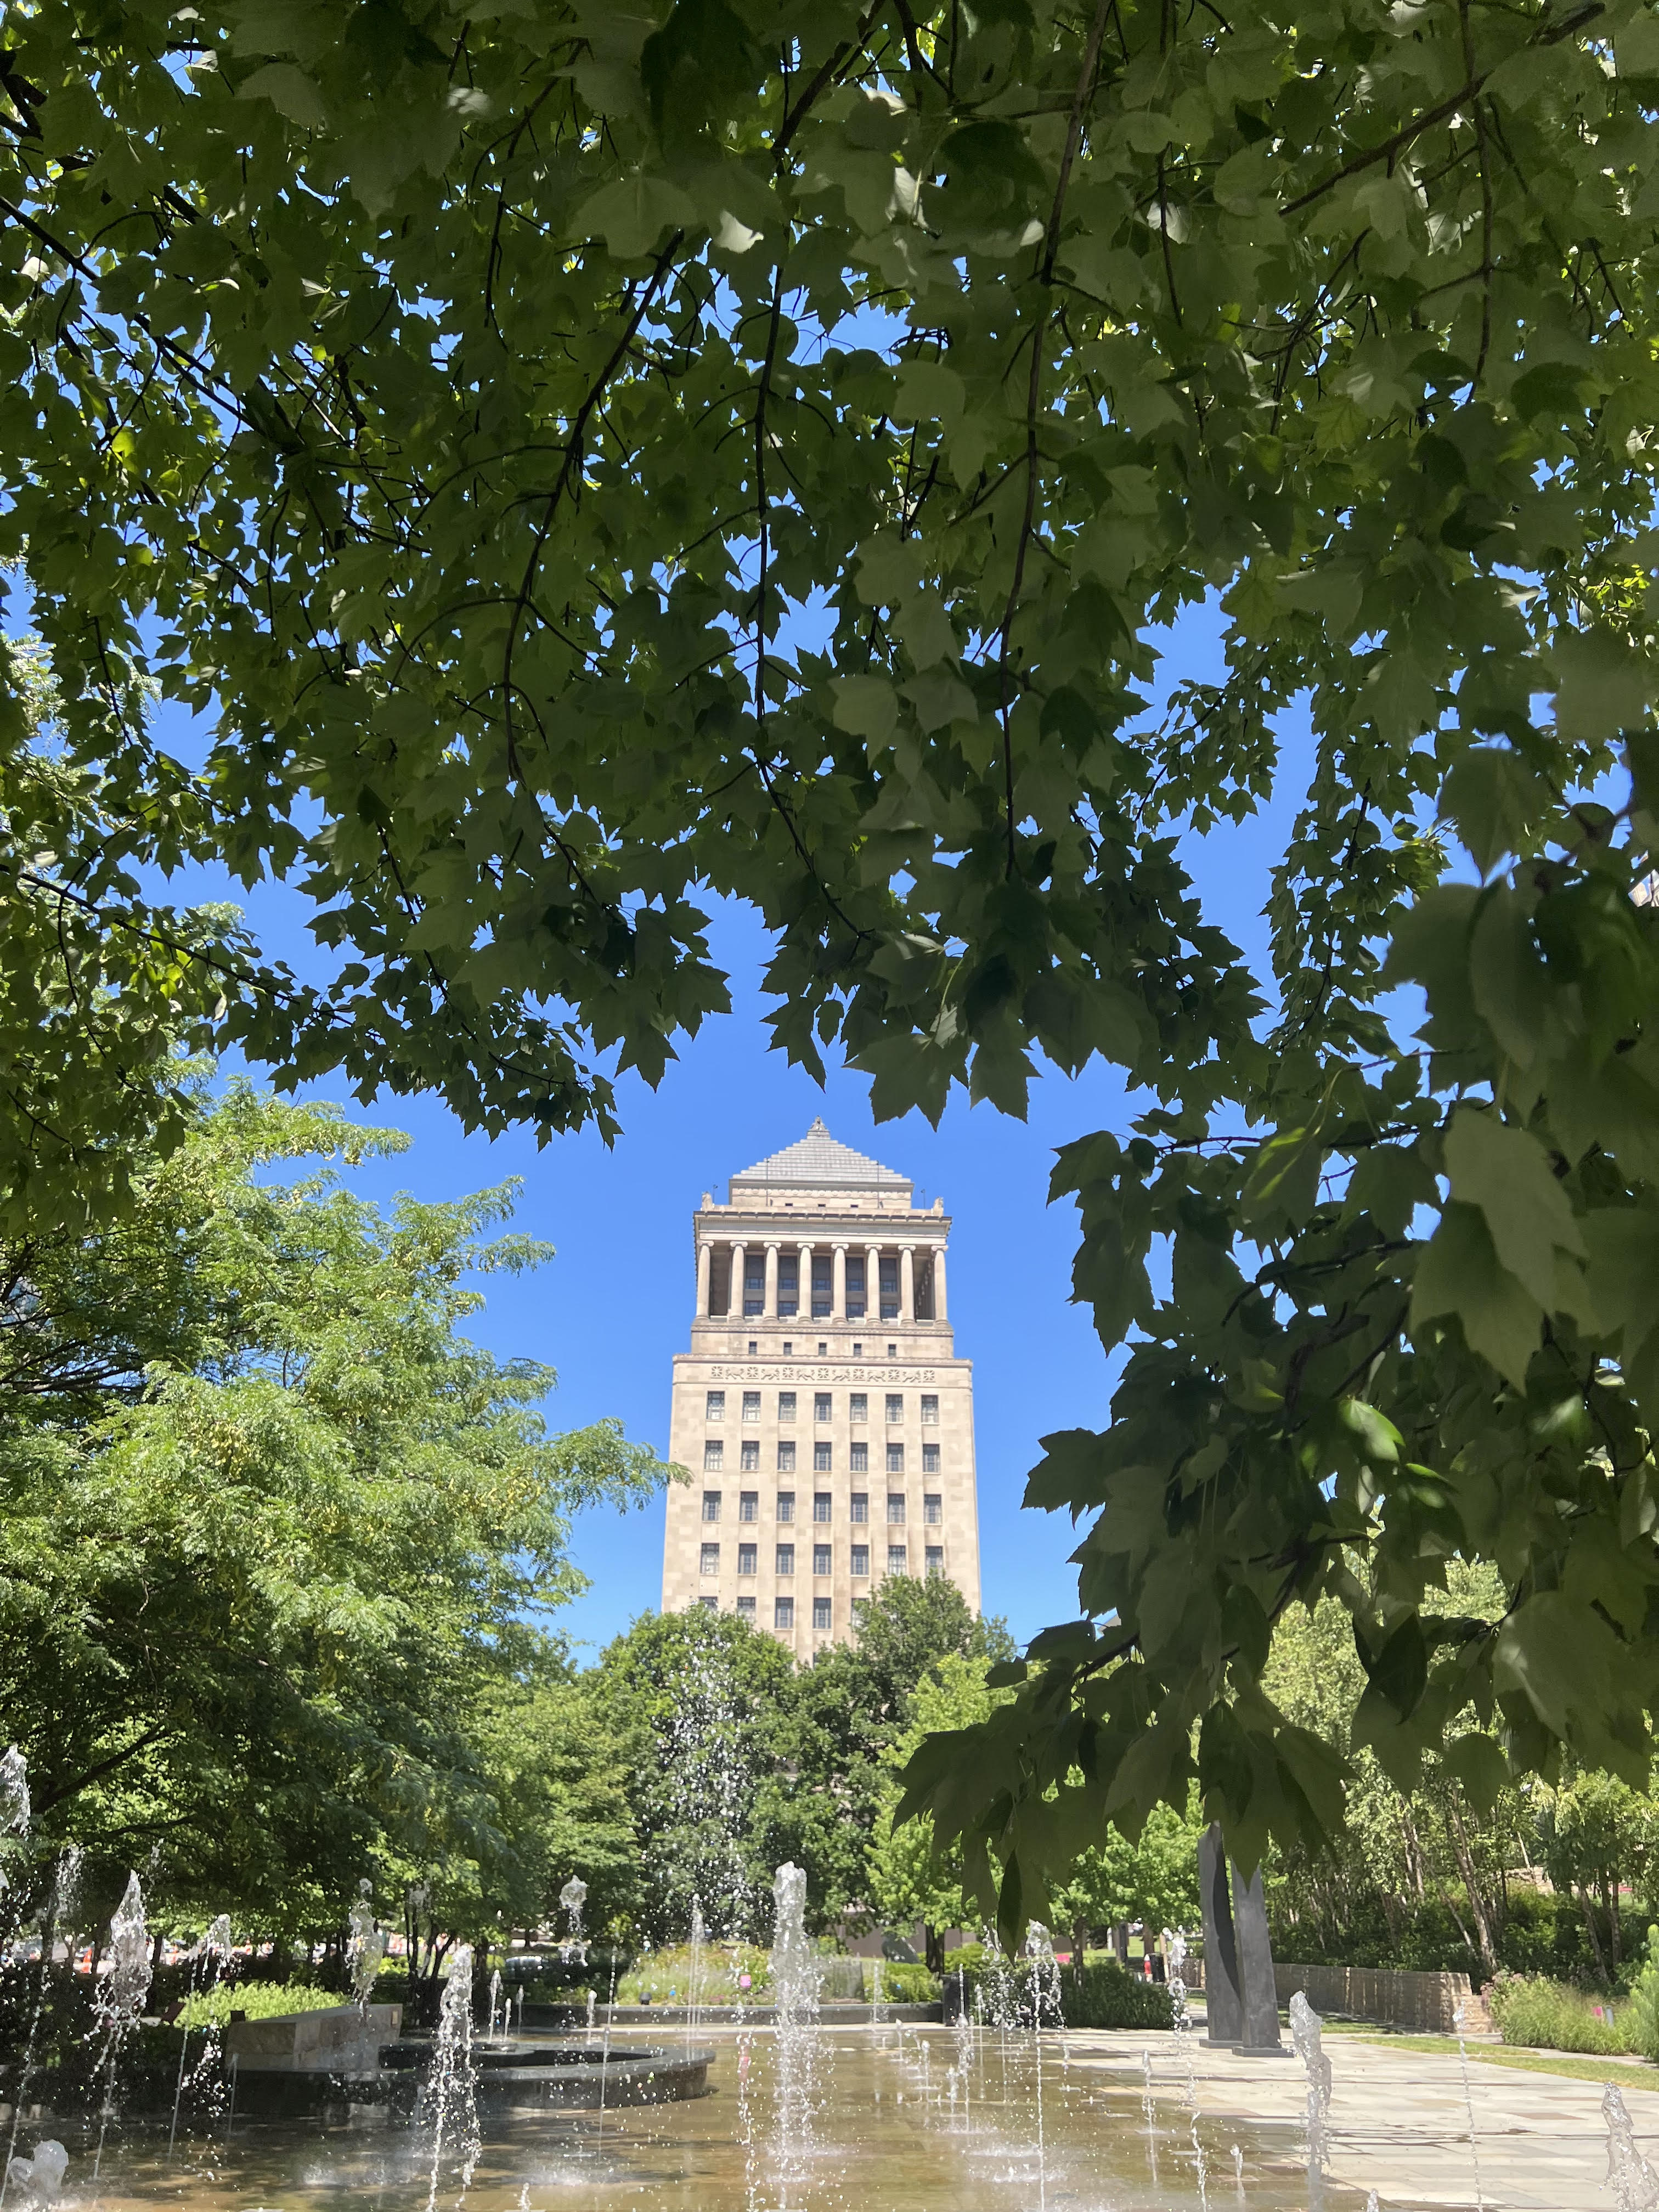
[
  {"x": 858, "y": 1406},
  {"x": 932, "y": 1505},
  {"x": 822, "y": 1294},
  {"x": 783, "y": 1611},
  {"x": 823, "y": 1457},
  {"x": 898, "y": 1559}
]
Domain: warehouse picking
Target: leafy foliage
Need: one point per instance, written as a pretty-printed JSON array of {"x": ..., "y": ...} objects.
[
  {"x": 585, "y": 461},
  {"x": 277, "y": 1547}
]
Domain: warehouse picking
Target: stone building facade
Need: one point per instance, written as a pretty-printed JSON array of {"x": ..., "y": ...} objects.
[{"x": 826, "y": 1420}]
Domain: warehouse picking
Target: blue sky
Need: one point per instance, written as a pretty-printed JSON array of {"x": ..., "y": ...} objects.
[{"x": 615, "y": 1304}]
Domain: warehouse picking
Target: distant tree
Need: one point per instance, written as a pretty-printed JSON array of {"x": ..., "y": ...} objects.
[
  {"x": 908, "y": 1876},
  {"x": 277, "y": 1537},
  {"x": 702, "y": 1705},
  {"x": 853, "y": 1703}
]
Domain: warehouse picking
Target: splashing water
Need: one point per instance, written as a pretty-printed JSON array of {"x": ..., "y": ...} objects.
[
  {"x": 365, "y": 1946},
  {"x": 1151, "y": 2113},
  {"x": 797, "y": 1978},
  {"x": 1307, "y": 2033},
  {"x": 494, "y": 2001},
  {"x": 694, "y": 1979},
  {"x": 573, "y": 1948},
  {"x": 211, "y": 1950},
  {"x": 451, "y": 2091},
  {"x": 66, "y": 1883},
  {"x": 16, "y": 1812},
  {"x": 121, "y": 1995},
  {"x": 1180, "y": 2025},
  {"x": 1371, "y": 2204},
  {"x": 1634, "y": 2183},
  {"x": 1045, "y": 1993},
  {"x": 1468, "y": 2107},
  {"x": 1238, "y": 2176},
  {"x": 38, "y": 2181}
]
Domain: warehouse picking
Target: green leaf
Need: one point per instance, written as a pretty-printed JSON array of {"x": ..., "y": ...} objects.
[
  {"x": 289, "y": 91},
  {"x": 631, "y": 215},
  {"x": 1506, "y": 1173},
  {"x": 1459, "y": 1273}
]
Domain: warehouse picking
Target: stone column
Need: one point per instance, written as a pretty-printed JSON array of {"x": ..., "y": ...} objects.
[
  {"x": 838, "y": 1285},
  {"x": 734, "y": 1285},
  {"x": 907, "y": 1282},
  {"x": 938, "y": 1283},
  {"x": 1259, "y": 2030},
  {"x": 803, "y": 1282},
  {"x": 872, "y": 1283},
  {"x": 770, "y": 1307},
  {"x": 1222, "y": 1998},
  {"x": 705, "y": 1271}
]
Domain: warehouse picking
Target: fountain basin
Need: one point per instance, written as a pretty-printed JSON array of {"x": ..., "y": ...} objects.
[{"x": 518, "y": 2076}]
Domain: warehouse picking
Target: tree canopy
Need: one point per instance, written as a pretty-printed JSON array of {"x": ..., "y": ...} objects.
[
  {"x": 584, "y": 463},
  {"x": 279, "y": 1545}
]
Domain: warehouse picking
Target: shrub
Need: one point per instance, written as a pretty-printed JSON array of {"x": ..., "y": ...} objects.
[
  {"x": 1639, "y": 2017},
  {"x": 1550, "y": 2015},
  {"x": 258, "y": 2000},
  {"x": 1103, "y": 1996},
  {"x": 904, "y": 1984}
]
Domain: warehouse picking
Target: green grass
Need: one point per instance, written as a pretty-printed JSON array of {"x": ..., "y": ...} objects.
[{"x": 1634, "y": 2074}]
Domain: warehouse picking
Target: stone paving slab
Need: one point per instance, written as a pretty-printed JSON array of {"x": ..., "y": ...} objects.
[{"x": 1399, "y": 2120}]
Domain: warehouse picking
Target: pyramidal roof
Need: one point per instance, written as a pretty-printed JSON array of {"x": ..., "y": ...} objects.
[{"x": 819, "y": 1162}]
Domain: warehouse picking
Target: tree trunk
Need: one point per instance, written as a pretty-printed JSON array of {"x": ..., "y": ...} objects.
[
  {"x": 1587, "y": 1910},
  {"x": 932, "y": 1947},
  {"x": 1465, "y": 1858}
]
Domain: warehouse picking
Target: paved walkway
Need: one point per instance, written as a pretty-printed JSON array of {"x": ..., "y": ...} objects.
[{"x": 1399, "y": 2120}]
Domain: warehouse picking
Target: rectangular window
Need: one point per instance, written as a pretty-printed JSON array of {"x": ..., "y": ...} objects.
[
  {"x": 751, "y": 1404},
  {"x": 785, "y": 1404},
  {"x": 897, "y": 1556},
  {"x": 745, "y": 1608},
  {"x": 711, "y": 1505},
  {"x": 930, "y": 1459},
  {"x": 748, "y": 1558},
  {"x": 933, "y": 1508},
  {"x": 929, "y": 1409},
  {"x": 788, "y": 1286},
  {"x": 714, "y": 1406},
  {"x": 860, "y": 1562},
  {"x": 786, "y": 1505},
  {"x": 709, "y": 1604},
  {"x": 890, "y": 1289},
  {"x": 821, "y": 1560},
  {"x": 858, "y": 1459},
  {"x": 857, "y": 1406},
  {"x": 821, "y": 1506},
  {"x": 711, "y": 1559},
  {"x": 785, "y": 1559},
  {"x": 713, "y": 1455},
  {"x": 894, "y": 1409},
  {"x": 821, "y": 1612},
  {"x": 783, "y": 1613},
  {"x": 748, "y": 1459},
  {"x": 749, "y": 1505},
  {"x": 857, "y": 1507},
  {"x": 822, "y": 1277},
  {"x": 820, "y": 1406},
  {"x": 894, "y": 1507},
  {"x": 821, "y": 1463},
  {"x": 936, "y": 1558},
  {"x": 754, "y": 1285},
  {"x": 896, "y": 1459},
  {"x": 855, "y": 1290},
  {"x": 787, "y": 1456}
]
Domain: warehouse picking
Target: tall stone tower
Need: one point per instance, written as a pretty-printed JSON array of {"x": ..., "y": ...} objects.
[{"x": 827, "y": 1422}]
